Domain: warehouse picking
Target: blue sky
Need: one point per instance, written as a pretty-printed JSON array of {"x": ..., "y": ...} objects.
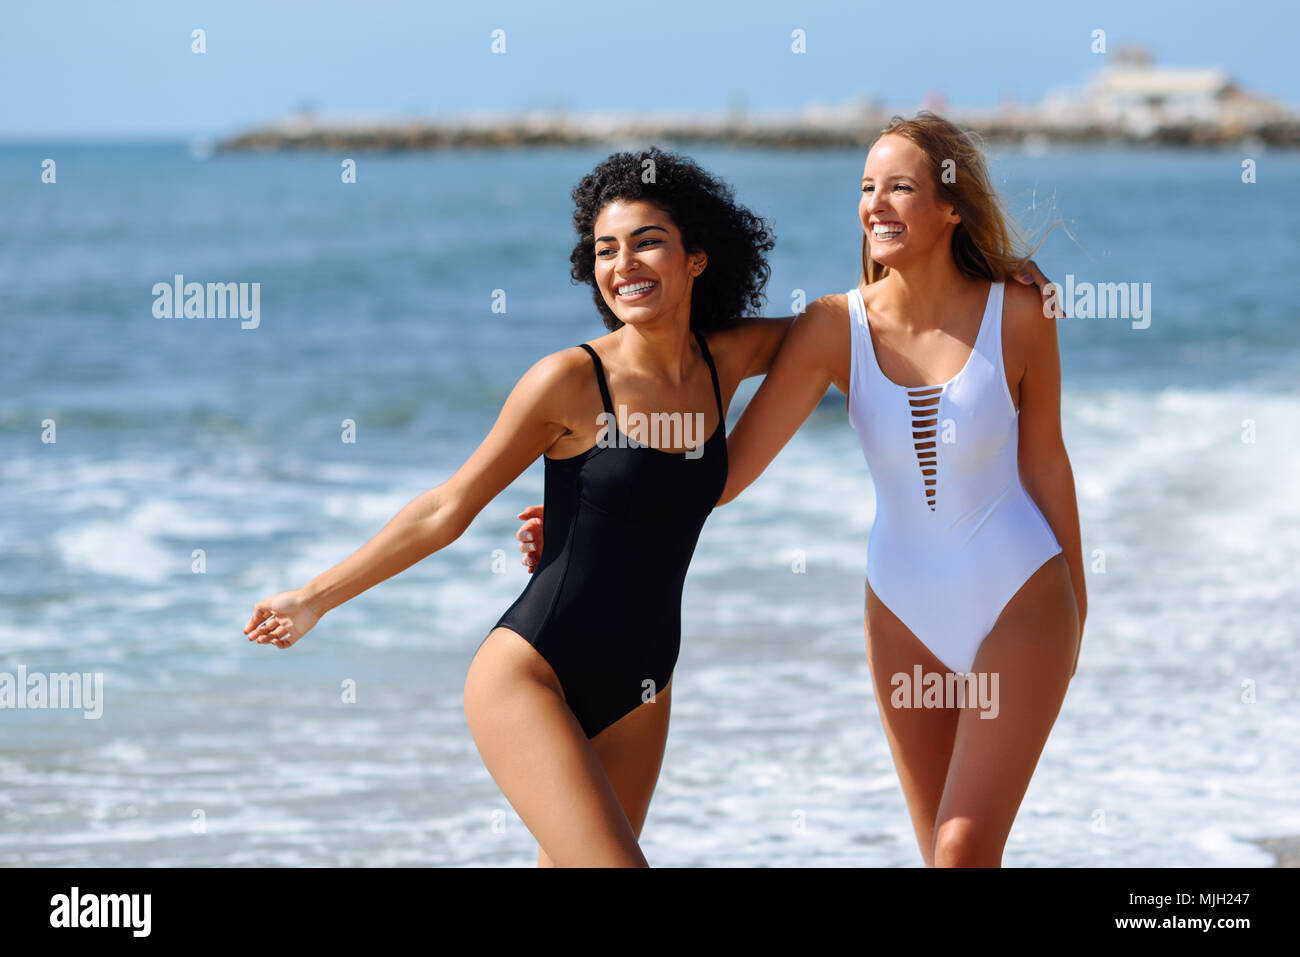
[{"x": 125, "y": 69}]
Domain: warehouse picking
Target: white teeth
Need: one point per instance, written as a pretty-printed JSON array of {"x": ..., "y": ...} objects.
[
  {"x": 884, "y": 232},
  {"x": 635, "y": 288}
]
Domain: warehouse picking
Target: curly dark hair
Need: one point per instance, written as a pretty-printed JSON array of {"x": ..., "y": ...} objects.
[{"x": 703, "y": 209}]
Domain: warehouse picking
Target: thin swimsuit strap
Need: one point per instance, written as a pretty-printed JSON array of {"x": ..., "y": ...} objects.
[
  {"x": 717, "y": 393},
  {"x": 600, "y": 379},
  {"x": 604, "y": 389}
]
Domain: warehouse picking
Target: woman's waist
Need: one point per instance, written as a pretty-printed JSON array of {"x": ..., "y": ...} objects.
[
  {"x": 662, "y": 512},
  {"x": 1005, "y": 517},
  {"x": 629, "y": 558},
  {"x": 627, "y": 604}
]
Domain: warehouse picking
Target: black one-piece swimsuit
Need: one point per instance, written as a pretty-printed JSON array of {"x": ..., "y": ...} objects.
[{"x": 619, "y": 527}]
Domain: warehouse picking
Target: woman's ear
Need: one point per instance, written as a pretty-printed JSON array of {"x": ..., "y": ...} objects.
[{"x": 698, "y": 262}]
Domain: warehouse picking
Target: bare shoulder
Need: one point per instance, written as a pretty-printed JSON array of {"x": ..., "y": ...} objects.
[
  {"x": 559, "y": 370},
  {"x": 834, "y": 304},
  {"x": 1021, "y": 303},
  {"x": 557, "y": 388},
  {"x": 1029, "y": 327},
  {"x": 821, "y": 339},
  {"x": 825, "y": 316}
]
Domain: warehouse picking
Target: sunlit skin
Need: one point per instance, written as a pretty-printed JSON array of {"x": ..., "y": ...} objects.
[
  {"x": 925, "y": 316},
  {"x": 897, "y": 189},
  {"x": 652, "y": 362},
  {"x": 637, "y": 242},
  {"x": 583, "y": 800},
  {"x": 928, "y": 311}
]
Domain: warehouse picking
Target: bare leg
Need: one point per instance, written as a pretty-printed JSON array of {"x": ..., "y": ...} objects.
[
  {"x": 1031, "y": 648},
  {"x": 920, "y": 739},
  {"x": 631, "y": 751},
  {"x": 539, "y": 756}
]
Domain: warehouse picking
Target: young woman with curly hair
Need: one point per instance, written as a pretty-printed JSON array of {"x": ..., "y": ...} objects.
[
  {"x": 974, "y": 565},
  {"x": 568, "y": 697}
]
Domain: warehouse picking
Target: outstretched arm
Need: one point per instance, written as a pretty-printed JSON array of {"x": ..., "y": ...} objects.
[
  {"x": 530, "y": 422},
  {"x": 815, "y": 354}
]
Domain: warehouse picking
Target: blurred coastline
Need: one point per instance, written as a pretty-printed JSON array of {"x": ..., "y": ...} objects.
[{"x": 1129, "y": 101}]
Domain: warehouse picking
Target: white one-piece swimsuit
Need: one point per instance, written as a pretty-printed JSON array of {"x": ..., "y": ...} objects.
[{"x": 955, "y": 534}]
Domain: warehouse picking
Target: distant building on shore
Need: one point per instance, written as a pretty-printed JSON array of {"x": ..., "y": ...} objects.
[{"x": 1139, "y": 98}]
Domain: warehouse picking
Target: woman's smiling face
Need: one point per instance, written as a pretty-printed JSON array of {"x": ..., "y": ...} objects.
[
  {"x": 641, "y": 266},
  {"x": 900, "y": 209}
]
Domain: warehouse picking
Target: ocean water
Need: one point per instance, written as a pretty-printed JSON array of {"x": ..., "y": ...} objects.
[{"x": 1179, "y": 740}]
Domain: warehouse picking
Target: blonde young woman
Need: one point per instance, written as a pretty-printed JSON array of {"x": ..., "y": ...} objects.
[{"x": 974, "y": 565}]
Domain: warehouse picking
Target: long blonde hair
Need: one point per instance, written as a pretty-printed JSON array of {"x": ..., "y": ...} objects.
[{"x": 985, "y": 244}]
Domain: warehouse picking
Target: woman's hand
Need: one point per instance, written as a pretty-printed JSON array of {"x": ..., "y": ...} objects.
[
  {"x": 530, "y": 536},
  {"x": 1033, "y": 276},
  {"x": 281, "y": 619}
]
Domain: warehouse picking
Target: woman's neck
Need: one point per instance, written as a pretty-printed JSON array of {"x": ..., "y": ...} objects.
[{"x": 922, "y": 295}]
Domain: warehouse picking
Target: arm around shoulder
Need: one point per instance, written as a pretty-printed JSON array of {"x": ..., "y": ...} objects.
[
  {"x": 807, "y": 363},
  {"x": 749, "y": 347}
]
